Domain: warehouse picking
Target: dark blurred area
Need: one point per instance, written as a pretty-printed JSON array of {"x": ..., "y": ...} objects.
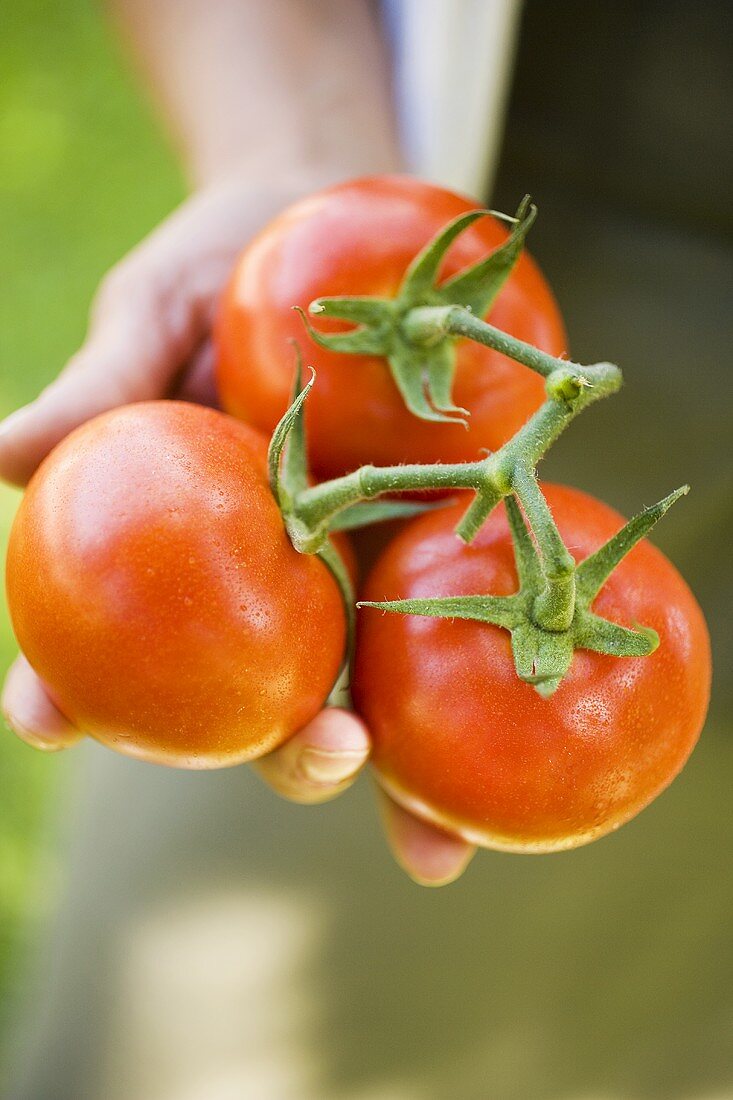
[
  {"x": 600, "y": 974},
  {"x": 620, "y": 123},
  {"x": 627, "y": 105}
]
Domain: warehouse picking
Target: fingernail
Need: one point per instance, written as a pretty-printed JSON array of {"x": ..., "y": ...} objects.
[
  {"x": 329, "y": 768},
  {"x": 32, "y": 739},
  {"x": 10, "y": 423},
  {"x": 444, "y": 877}
]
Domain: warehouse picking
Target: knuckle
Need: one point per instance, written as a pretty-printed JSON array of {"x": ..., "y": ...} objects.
[{"x": 115, "y": 287}]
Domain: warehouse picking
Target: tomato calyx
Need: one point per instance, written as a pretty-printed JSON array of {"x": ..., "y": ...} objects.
[
  {"x": 422, "y": 358},
  {"x": 543, "y": 652}
]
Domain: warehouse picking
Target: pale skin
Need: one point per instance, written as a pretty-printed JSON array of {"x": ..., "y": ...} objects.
[{"x": 267, "y": 102}]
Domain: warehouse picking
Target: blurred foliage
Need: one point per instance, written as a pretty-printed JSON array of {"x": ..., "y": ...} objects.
[{"x": 84, "y": 175}]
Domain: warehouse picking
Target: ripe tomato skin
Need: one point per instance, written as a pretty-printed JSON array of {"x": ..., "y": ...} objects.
[
  {"x": 359, "y": 238},
  {"x": 460, "y": 740},
  {"x": 152, "y": 586}
]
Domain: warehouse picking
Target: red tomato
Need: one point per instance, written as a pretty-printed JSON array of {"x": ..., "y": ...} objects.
[
  {"x": 358, "y": 238},
  {"x": 461, "y": 741},
  {"x": 152, "y": 585}
]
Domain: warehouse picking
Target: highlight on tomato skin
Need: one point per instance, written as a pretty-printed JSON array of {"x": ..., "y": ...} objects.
[
  {"x": 358, "y": 238},
  {"x": 151, "y": 584},
  {"x": 462, "y": 742}
]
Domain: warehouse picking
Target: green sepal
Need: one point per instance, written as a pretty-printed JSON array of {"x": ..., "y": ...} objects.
[
  {"x": 422, "y": 274},
  {"x": 541, "y": 658},
  {"x": 477, "y": 287},
  {"x": 415, "y": 371},
  {"x": 603, "y": 636},
  {"x": 594, "y": 571},
  {"x": 368, "y": 512},
  {"x": 372, "y": 337},
  {"x": 287, "y": 461},
  {"x": 288, "y": 474},
  {"x": 499, "y": 610},
  {"x": 440, "y": 368},
  {"x": 360, "y": 311},
  {"x": 423, "y": 370}
]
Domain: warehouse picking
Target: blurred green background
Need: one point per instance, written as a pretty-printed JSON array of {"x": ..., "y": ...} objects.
[
  {"x": 604, "y": 974},
  {"x": 84, "y": 173}
]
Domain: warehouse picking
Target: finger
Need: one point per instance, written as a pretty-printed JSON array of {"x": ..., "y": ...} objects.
[
  {"x": 197, "y": 382},
  {"x": 30, "y": 712},
  {"x": 320, "y": 761},
  {"x": 430, "y": 856},
  {"x": 130, "y": 355}
]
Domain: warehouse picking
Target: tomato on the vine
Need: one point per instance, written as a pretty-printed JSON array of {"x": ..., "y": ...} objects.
[
  {"x": 358, "y": 238},
  {"x": 153, "y": 587},
  {"x": 462, "y": 741}
]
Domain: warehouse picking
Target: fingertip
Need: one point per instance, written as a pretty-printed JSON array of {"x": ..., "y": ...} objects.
[
  {"x": 321, "y": 760},
  {"x": 336, "y": 730},
  {"x": 31, "y": 714},
  {"x": 334, "y": 748},
  {"x": 429, "y": 855},
  {"x": 16, "y": 466},
  {"x": 329, "y": 768},
  {"x": 30, "y": 433}
]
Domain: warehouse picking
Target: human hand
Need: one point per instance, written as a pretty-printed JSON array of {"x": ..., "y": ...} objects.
[{"x": 149, "y": 337}]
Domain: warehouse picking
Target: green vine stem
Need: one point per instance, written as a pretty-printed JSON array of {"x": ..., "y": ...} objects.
[
  {"x": 550, "y": 615},
  {"x": 429, "y": 326},
  {"x": 569, "y": 390}
]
